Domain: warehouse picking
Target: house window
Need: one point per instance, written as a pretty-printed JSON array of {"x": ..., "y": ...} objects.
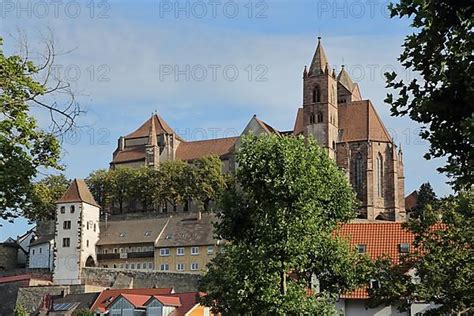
[
  {"x": 164, "y": 208},
  {"x": 41, "y": 250},
  {"x": 63, "y": 209},
  {"x": 67, "y": 225},
  {"x": 87, "y": 243},
  {"x": 132, "y": 266},
  {"x": 72, "y": 209},
  {"x": 121, "y": 266},
  {"x": 94, "y": 227},
  {"x": 180, "y": 251},
  {"x": 379, "y": 170},
  {"x": 66, "y": 242},
  {"x": 361, "y": 248},
  {"x": 115, "y": 266},
  {"x": 180, "y": 267},
  {"x": 115, "y": 250},
  {"x": 164, "y": 252},
  {"x": 87, "y": 225},
  {"x": 139, "y": 266},
  {"x": 150, "y": 265},
  {"x": 334, "y": 145},
  {"x": 194, "y": 266},
  {"x": 148, "y": 233},
  {"x": 404, "y": 248},
  {"x": 164, "y": 267},
  {"x": 210, "y": 250},
  {"x": 126, "y": 266},
  {"x": 194, "y": 251},
  {"x": 33, "y": 251}
]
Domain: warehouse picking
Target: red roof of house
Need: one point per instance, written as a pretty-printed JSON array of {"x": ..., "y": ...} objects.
[
  {"x": 78, "y": 192},
  {"x": 197, "y": 149},
  {"x": 107, "y": 296},
  {"x": 24, "y": 277},
  {"x": 136, "y": 300},
  {"x": 168, "y": 300}
]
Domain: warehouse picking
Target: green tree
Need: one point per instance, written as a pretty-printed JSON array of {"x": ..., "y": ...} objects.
[
  {"x": 100, "y": 186},
  {"x": 24, "y": 147},
  {"x": 442, "y": 262},
  {"x": 20, "y": 310},
  {"x": 120, "y": 181},
  {"x": 43, "y": 197},
  {"x": 209, "y": 180},
  {"x": 425, "y": 196},
  {"x": 440, "y": 52},
  {"x": 146, "y": 183},
  {"x": 83, "y": 312},
  {"x": 176, "y": 183},
  {"x": 279, "y": 218}
]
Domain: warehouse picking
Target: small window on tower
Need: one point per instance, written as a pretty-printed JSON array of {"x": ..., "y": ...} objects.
[
  {"x": 66, "y": 242},
  {"x": 72, "y": 209},
  {"x": 320, "y": 117},
  {"x": 63, "y": 209},
  {"x": 312, "y": 119}
]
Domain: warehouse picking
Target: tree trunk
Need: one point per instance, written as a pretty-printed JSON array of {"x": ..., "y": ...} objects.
[{"x": 282, "y": 279}]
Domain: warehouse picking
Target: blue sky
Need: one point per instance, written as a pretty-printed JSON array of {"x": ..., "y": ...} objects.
[{"x": 207, "y": 66}]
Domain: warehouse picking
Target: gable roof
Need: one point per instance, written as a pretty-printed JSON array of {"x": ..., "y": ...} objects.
[
  {"x": 185, "y": 230},
  {"x": 161, "y": 127},
  {"x": 107, "y": 296},
  {"x": 132, "y": 231},
  {"x": 344, "y": 79},
  {"x": 42, "y": 240},
  {"x": 266, "y": 127},
  {"x": 78, "y": 192},
  {"x": 196, "y": 149},
  {"x": 134, "y": 299},
  {"x": 168, "y": 300},
  {"x": 360, "y": 122}
]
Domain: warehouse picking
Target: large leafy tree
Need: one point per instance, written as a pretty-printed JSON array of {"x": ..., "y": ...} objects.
[
  {"x": 44, "y": 194},
  {"x": 439, "y": 51},
  {"x": 100, "y": 185},
  {"x": 208, "y": 181},
  {"x": 279, "y": 218},
  {"x": 442, "y": 264},
  {"x": 24, "y": 147}
]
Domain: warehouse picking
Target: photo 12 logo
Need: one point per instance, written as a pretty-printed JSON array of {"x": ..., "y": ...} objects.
[
  {"x": 201, "y": 9},
  {"x": 56, "y": 9}
]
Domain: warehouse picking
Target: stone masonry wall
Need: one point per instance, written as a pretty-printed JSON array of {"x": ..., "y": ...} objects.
[{"x": 181, "y": 282}]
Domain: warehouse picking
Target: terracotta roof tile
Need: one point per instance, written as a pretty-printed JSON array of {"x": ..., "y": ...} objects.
[
  {"x": 136, "y": 300},
  {"x": 143, "y": 131},
  {"x": 197, "y": 149},
  {"x": 168, "y": 300},
  {"x": 299, "y": 123},
  {"x": 129, "y": 154},
  {"x": 360, "y": 122},
  {"x": 78, "y": 192},
  {"x": 106, "y": 296}
]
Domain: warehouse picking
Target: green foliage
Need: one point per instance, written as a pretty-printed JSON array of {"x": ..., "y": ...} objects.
[
  {"x": 442, "y": 262},
  {"x": 44, "y": 194},
  {"x": 23, "y": 146},
  {"x": 440, "y": 51},
  {"x": 146, "y": 189},
  {"x": 20, "y": 311},
  {"x": 83, "y": 312},
  {"x": 279, "y": 218},
  {"x": 426, "y": 197}
]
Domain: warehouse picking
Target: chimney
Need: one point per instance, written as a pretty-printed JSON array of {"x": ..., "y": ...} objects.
[{"x": 121, "y": 143}]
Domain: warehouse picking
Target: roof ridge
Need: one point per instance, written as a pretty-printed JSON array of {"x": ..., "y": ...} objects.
[
  {"x": 207, "y": 140},
  {"x": 371, "y": 107}
]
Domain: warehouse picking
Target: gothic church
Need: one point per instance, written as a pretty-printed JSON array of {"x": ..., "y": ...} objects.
[{"x": 333, "y": 112}]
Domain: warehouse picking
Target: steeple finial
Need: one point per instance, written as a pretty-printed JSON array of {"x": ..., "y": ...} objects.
[{"x": 320, "y": 63}]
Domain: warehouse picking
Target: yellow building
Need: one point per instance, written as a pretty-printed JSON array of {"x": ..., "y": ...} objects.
[{"x": 186, "y": 244}]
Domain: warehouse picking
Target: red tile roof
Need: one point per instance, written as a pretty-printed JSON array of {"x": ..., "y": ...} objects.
[
  {"x": 197, "y": 149},
  {"x": 24, "y": 277},
  {"x": 107, "y": 296},
  {"x": 144, "y": 130},
  {"x": 78, "y": 192},
  {"x": 129, "y": 154},
  {"x": 136, "y": 300},
  {"x": 168, "y": 300}
]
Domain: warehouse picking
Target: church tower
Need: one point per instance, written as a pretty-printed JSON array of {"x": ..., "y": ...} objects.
[
  {"x": 320, "y": 101},
  {"x": 76, "y": 234},
  {"x": 152, "y": 157}
]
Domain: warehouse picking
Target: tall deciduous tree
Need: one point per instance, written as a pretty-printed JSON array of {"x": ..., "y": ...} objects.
[
  {"x": 99, "y": 184},
  {"x": 121, "y": 181},
  {"x": 440, "y": 51},
  {"x": 279, "y": 220},
  {"x": 442, "y": 263},
  {"x": 24, "y": 147},
  {"x": 41, "y": 204},
  {"x": 209, "y": 180}
]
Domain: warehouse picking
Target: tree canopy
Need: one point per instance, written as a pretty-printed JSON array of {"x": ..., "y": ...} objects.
[
  {"x": 278, "y": 219},
  {"x": 439, "y": 51}
]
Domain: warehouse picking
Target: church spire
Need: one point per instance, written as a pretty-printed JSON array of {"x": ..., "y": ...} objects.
[
  {"x": 345, "y": 79},
  {"x": 320, "y": 64},
  {"x": 152, "y": 140}
]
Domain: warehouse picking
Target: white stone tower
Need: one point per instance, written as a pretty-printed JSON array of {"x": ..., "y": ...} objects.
[{"x": 76, "y": 234}]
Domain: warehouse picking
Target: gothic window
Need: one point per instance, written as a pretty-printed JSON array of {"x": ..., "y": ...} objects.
[
  {"x": 312, "y": 119},
  {"x": 320, "y": 117},
  {"x": 316, "y": 94},
  {"x": 379, "y": 173},
  {"x": 358, "y": 179}
]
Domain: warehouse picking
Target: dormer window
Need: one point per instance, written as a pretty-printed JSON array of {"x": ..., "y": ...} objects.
[
  {"x": 148, "y": 233},
  {"x": 122, "y": 235},
  {"x": 404, "y": 248},
  {"x": 72, "y": 209},
  {"x": 361, "y": 248}
]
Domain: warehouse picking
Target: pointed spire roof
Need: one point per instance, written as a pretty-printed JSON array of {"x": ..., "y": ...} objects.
[
  {"x": 78, "y": 192},
  {"x": 152, "y": 141},
  {"x": 160, "y": 125},
  {"x": 345, "y": 79},
  {"x": 320, "y": 62}
]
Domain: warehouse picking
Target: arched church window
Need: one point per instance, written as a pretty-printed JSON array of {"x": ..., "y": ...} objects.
[
  {"x": 379, "y": 173},
  {"x": 358, "y": 179},
  {"x": 316, "y": 94},
  {"x": 312, "y": 119},
  {"x": 320, "y": 117}
]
